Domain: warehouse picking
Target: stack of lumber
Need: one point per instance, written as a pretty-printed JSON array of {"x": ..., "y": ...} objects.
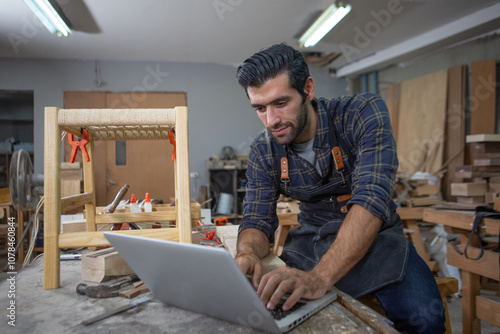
[
  {"x": 481, "y": 179},
  {"x": 416, "y": 192},
  {"x": 422, "y": 193}
]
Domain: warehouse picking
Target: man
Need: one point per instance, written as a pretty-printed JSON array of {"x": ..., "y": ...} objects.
[{"x": 350, "y": 235}]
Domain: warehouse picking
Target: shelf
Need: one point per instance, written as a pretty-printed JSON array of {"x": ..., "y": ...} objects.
[{"x": 228, "y": 180}]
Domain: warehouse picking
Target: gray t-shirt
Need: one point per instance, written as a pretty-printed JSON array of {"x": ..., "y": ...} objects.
[{"x": 305, "y": 151}]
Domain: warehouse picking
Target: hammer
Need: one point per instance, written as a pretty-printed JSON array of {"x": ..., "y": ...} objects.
[{"x": 102, "y": 290}]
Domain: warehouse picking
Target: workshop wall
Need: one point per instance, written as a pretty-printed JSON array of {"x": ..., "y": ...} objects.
[{"x": 219, "y": 111}]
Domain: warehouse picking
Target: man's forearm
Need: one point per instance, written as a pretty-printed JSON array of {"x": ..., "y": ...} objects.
[
  {"x": 355, "y": 236},
  {"x": 253, "y": 241}
]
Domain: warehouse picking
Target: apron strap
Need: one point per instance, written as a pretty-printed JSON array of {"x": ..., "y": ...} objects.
[{"x": 335, "y": 144}]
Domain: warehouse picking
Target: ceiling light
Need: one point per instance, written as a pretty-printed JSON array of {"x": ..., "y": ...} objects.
[
  {"x": 51, "y": 15},
  {"x": 330, "y": 17}
]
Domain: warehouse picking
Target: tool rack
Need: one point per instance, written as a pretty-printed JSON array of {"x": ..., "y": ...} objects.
[{"x": 110, "y": 124}]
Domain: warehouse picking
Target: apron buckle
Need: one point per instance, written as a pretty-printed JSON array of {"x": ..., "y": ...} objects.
[{"x": 344, "y": 183}]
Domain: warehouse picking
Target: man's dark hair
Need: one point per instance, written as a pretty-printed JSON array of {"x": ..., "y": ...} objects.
[{"x": 270, "y": 62}]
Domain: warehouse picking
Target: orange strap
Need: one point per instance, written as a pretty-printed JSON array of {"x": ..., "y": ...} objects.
[
  {"x": 172, "y": 141},
  {"x": 337, "y": 158},
  {"x": 345, "y": 197},
  {"x": 284, "y": 169}
]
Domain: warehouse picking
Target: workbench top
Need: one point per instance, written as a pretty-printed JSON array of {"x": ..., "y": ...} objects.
[{"x": 62, "y": 310}]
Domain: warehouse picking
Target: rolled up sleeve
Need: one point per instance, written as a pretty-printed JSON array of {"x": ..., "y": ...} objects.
[
  {"x": 259, "y": 211},
  {"x": 376, "y": 162}
]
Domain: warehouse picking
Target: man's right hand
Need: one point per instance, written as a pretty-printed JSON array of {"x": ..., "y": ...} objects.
[{"x": 251, "y": 265}]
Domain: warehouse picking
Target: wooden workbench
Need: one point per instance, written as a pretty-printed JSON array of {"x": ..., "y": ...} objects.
[
  {"x": 475, "y": 307},
  {"x": 62, "y": 310}
]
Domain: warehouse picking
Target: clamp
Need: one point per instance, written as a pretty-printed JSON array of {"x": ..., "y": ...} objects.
[{"x": 79, "y": 144}]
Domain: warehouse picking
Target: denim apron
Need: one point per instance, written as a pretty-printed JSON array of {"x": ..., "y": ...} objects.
[{"x": 322, "y": 211}]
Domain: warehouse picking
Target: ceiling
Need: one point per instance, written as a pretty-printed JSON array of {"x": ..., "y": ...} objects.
[{"x": 375, "y": 34}]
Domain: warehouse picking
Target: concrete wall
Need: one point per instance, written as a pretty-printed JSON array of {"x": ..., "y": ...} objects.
[{"x": 219, "y": 111}]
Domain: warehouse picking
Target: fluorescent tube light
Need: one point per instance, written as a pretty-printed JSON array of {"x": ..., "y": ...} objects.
[
  {"x": 49, "y": 13},
  {"x": 330, "y": 17}
]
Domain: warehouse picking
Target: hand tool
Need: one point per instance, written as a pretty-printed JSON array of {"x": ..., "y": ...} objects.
[
  {"x": 124, "y": 308},
  {"x": 208, "y": 235},
  {"x": 220, "y": 221},
  {"x": 112, "y": 207},
  {"x": 79, "y": 144},
  {"x": 102, "y": 290}
]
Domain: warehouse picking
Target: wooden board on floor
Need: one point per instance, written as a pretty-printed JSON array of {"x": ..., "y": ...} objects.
[
  {"x": 421, "y": 127},
  {"x": 102, "y": 265}
]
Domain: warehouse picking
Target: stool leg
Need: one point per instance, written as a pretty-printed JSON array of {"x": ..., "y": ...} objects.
[
  {"x": 52, "y": 205},
  {"x": 89, "y": 187}
]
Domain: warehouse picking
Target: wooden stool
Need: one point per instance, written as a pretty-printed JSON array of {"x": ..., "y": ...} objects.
[
  {"x": 110, "y": 124},
  {"x": 446, "y": 285}
]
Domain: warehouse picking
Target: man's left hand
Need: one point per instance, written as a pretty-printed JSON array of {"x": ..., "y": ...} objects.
[{"x": 300, "y": 284}]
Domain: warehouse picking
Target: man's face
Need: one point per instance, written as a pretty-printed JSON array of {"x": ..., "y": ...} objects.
[{"x": 280, "y": 108}]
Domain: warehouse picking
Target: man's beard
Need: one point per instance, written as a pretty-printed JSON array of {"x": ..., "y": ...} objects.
[{"x": 296, "y": 129}]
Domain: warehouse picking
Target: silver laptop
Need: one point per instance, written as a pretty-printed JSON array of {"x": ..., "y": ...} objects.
[{"x": 205, "y": 280}]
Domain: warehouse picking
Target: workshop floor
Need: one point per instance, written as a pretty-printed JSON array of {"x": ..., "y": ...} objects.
[{"x": 454, "y": 309}]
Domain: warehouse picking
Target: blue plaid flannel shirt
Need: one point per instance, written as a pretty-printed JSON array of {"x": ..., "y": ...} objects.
[{"x": 363, "y": 124}]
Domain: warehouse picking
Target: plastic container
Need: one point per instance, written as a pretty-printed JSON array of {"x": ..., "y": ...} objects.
[
  {"x": 224, "y": 206},
  {"x": 133, "y": 205},
  {"x": 148, "y": 207}
]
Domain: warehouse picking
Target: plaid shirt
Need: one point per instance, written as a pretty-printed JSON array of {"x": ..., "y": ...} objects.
[{"x": 363, "y": 124}]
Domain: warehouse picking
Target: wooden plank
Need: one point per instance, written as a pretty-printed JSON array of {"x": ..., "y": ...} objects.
[
  {"x": 410, "y": 213},
  {"x": 454, "y": 150},
  {"x": 424, "y": 201},
  {"x": 488, "y": 310},
  {"x": 133, "y": 292},
  {"x": 97, "y": 239},
  {"x": 487, "y": 162},
  {"x": 101, "y": 265},
  {"x": 75, "y": 201},
  {"x": 470, "y": 289},
  {"x": 288, "y": 219},
  {"x": 483, "y": 97},
  {"x": 425, "y": 190},
  {"x": 471, "y": 199},
  {"x": 5, "y": 195},
  {"x": 421, "y": 128},
  {"x": 392, "y": 99},
  {"x": 460, "y": 219},
  {"x": 136, "y": 217},
  {"x": 469, "y": 189},
  {"x": 183, "y": 188},
  {"x": 89, "y": 187},
  {"x": 487, "y": 265},
  {"x": 494, "y": 187},
  {"x": 496, "y": 206},
  {"x": 470, "y": 171},
  {"x": 370, "y": 317},
  {"x": 483, "y": 138},
  {"x": 71, "y": 226},
  {"x": 52, "y": 205},
  {"x": 164, "y": 214},
  {"x": 416, "y": 239},
  {"x": 484, "y": 149}
]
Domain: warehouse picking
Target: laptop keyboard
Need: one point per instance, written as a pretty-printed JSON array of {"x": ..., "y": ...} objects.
[{"x": 278, "y": 312}]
